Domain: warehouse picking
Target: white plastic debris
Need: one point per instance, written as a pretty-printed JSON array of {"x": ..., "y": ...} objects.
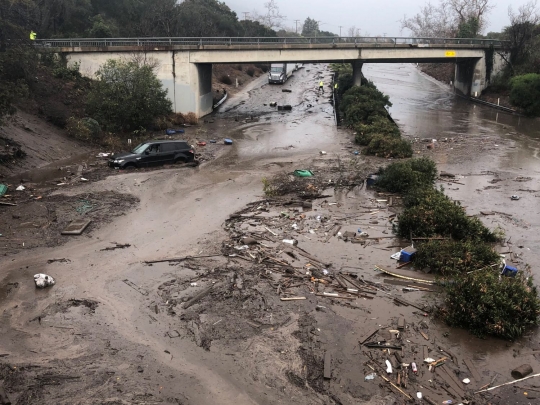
[
  {"x": 369, "y": 377},
  {"x": 429, "y": 360},
  {"x": 514, "y": 197},
  {"x": 244, "y": 247},
  {"x": 294, "y": 226},
  {"x": 325, "y": 272},
  {"x": 20, "y": 188},
  {"x": 466, "y": 381},
  {"x": 83, "y": 179},
  {"x": 322, "y": 152},
  {"x": 419, "y": 395},
  {"x": 388, "y": 367},
  {"x": 193, "y": 284},
  {"x": 364, "y": 234},
  {"x": 43, "y": 280},
  {"x": 396, "y": 255},
  {"x": 103, "y": 155},
  {"x": 293, "y": 242}
]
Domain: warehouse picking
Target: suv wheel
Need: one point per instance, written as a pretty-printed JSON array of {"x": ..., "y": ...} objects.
[{"x": 130, "y": 166}]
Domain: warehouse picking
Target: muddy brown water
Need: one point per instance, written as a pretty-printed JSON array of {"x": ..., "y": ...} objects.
[{"x": 181, "y": 212}]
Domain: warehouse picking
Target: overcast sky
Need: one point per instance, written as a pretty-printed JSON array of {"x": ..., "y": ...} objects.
[{"x": 373, "y": 17}]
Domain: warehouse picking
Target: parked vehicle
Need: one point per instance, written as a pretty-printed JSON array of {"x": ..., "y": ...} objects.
[
  {"x": 154, "y": 153},
  {"x": 280, "y": 72}
]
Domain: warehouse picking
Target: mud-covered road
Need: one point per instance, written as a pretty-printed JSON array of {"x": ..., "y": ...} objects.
[{"x": 113, "y": 330}]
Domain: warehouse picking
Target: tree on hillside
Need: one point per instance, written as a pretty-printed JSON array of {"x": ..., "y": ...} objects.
[
  {"x": 271, "y": 17},
  {"x": 449, "y": 18},
  {"x": 522, "y": 33},
  {"x": 310, "y": 28},
  {"x": 126, "y": 96}
]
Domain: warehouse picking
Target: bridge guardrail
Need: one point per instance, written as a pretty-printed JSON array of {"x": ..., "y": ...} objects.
[{"x": 251, "y": 41}]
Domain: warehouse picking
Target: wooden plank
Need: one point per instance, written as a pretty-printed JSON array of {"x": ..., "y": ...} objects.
[
  {"x": 424, "y": 352},
  {"x": 473, "y": 370},
  {"x": 405, "y": 302},
  {"x": 451, "y": 380},
  {"x": 198, "y": 297},
  {"x": 336, "y": 296},
  {"x": 401, "y": 323},
  {"x": 327, "y": 365},
  {"x": 371, "y": 332},
  {"x": 293, "y": 298},
  {"x": 408, "y": 275},
  {"x": 76, "y": 227}
]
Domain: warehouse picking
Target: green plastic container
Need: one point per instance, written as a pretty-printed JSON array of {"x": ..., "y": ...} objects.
[
  {"x": 303, "y": 173},
  {"x": 3, "y": 189}
]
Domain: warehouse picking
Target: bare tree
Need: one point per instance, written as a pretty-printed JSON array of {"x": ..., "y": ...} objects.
[
  {"x": 431, "y": 22},
  {"x": 447, "y": 17},
  {"x": 271, "y": 18},
  {"x": 521, "y": 33}
]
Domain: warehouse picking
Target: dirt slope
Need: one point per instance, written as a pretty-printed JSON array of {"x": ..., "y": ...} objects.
[{"x": 42, "y": 142}]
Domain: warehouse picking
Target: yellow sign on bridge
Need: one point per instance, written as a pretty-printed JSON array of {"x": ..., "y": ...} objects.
[{"x": 450, "y": 54}]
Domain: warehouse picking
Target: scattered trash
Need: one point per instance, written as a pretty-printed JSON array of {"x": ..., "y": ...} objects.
[
  {"x": 171, "y": 131},
  {"x": 413, "y": 367},
  {"x": 355, "y": 152},
  {"x": 103, "y": 155},
  {"x": 466, "y": 381},
  {"x": 201, "y": 143},
  {"x": 20, "y": 188},
  {"x": 407, "y": 254},
  {"x": 515, "y": 197},
  {"x": 286, "y": 90},
  {"x": 287, "y": 107},
  {"x": 273, "y": 104},
  {"x": 83, "y": 179},
  {"x": 43, "y": 280},
  {"x": 369, "y": 377},
  {"x": 447, "y": 402},
  {"x": 522, "y": 371},
  {"x": 388, "y": 367},
  {"x": 193, "y": 284},
  {"x": 303, "y": 173},
  {"x": 322, "y": 152},
  {"x": 372, "y": 179},
  {"x": 429, "y": 360},
  {"x": 419, "y": 395},
  {"x": 227, "y": 141},
  {"x": 509, "y": 271},
  {"x": 3, "y": 189}
]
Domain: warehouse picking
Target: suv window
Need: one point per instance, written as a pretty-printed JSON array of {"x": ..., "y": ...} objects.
[{"x": 168, "y": 147}]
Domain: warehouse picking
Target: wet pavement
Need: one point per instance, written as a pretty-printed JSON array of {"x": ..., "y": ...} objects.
[{"x": 121, "y": 342}]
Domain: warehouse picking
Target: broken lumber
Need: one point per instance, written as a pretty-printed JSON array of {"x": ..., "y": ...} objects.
[
  {"x": 508, "y": 383},
  {"x": 364, "y": 338},
  {"x": 179, "y": 259},
  {"x": 327, "y": 365},
  {"x": 472, "y": 369},
  {"x": 335, "y": 296},
  {"x": 292, "y": 298},
  {"x": 196, "y": 298},
  {"x": 393, "y": 385},
  {"x": 406, "y": 303}
]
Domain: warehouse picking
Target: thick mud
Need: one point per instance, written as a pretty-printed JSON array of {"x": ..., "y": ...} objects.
[{"x": 118, "y": 330}]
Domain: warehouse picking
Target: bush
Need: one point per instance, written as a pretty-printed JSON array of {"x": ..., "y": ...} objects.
[
  {"x": 225, "y": 79},
  {"x": 525, "y": 93},
  {"x": 191, "y": 119},
  {"x": 250, "y": 71},
  {"x": 387, "y": 147},
  {"x": 86, "y": 129},
  {"x": 262, "y": 66},
  {"x": 486, "y": 304},
  {"x": 448, "y": 257},
  {"x": 67, "y": 72},
  {"x": 127, "y": 96},
  {"x": 429, "y": 213},
  {"x": 379, "y": 126},
  {"x": 239, "y": 68},
  {"x": 56, "y": 113},
  {"x": 403, "y": 176},
  {"x": 363, "y": 104}
]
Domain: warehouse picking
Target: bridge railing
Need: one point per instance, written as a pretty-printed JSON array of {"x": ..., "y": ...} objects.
[{"x": 251, "y": 41}]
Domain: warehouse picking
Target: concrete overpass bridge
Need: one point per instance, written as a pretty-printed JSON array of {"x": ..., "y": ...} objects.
[{"x": 185, "y": 64}]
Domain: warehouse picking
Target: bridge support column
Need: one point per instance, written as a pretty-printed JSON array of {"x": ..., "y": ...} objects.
[
  {"x": 357, "y": 73},
  {"x": 470, "y": 77}
]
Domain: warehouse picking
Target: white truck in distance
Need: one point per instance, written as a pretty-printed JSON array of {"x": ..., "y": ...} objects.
[{"x": 280, "y": 72}]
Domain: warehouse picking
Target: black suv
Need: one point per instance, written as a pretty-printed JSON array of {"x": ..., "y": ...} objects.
[{"x": 154, "y": 153}]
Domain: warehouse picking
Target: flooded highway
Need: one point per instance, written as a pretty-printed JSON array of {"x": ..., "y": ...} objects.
[{"x": 123, "y": 345}]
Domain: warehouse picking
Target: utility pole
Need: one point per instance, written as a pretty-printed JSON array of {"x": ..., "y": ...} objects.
[
  {"x": 296, "y": 22},
  {"x": 340, "y": 27},
  {"x": 245, "y": 14}
]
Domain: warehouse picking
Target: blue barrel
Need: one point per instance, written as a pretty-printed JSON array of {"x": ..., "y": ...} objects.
[{"x": 509, "y": 271}]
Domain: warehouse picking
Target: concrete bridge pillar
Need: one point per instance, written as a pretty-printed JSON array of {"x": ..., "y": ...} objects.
[
  {"x": 357, "y": 73},
  {"x": 470, "y": 77}
]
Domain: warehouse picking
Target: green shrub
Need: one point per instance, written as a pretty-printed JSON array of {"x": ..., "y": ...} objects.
[
  {"x": 403, "y": 176},
  {"x": 525, "y": 93},
  {"x": 86, "y": 129},
  {"x": 127, "y": 96},
  {"x": 429, "y": 213},
  {"x": 67, "y": 72},
  {"x": 388, "y": 146},
  {"x": 363, "y": 104},
  {"x": 225, "y": 79},
  {"x": 487, "y": 304},
  {"x": 449, "y": 257},
  {"x": 378, "y": 126}
]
